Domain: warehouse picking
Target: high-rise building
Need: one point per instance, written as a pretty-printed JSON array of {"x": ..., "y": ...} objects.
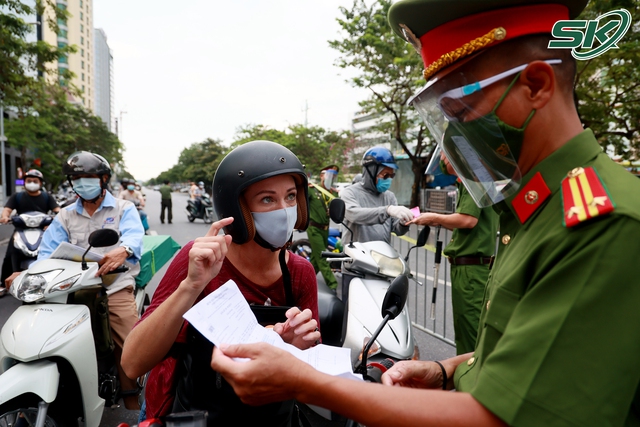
[
  {"x": 103, "y": 72},
  {"x": 76, "y": 30}
]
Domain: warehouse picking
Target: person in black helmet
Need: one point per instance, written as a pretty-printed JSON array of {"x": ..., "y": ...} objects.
[
  {"x": 260, "y": 192},
  {"x": 33, "y": 198},
  {"x": 372, "y": 211},
  {"x": 89, "y": 174}
]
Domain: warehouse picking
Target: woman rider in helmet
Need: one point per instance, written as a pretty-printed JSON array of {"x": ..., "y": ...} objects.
[{"x": 260, "y": 192}]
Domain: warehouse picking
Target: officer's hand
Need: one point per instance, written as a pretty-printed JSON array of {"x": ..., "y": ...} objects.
[
  {"x": 112, "y": 260},
  {"x": 426, "y": 218},
  {"x": 206, "y": 256},
  {"x": 414, "y": 374},
  {"x": 270, "y": 374},
  {"x": 300, "y": 329},
  {"x": 403, "y": 214}
]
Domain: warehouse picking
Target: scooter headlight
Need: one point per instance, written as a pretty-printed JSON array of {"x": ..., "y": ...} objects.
[
  {"x": 31, "y": 287},
  {"x": 392, "y": 267}
]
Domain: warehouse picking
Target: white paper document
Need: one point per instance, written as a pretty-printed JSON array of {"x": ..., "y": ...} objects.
[
  {"x": 224, "y": 317},
  {"x": 74, "y": 253}
]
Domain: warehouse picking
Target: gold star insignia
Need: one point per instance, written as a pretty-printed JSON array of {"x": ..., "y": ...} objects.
[
  {"x": 574, "y": 210},
  {"x": 598, "y": 201}
]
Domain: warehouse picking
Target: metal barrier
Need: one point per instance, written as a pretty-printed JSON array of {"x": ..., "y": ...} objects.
[{"x": 422, "y": 265}]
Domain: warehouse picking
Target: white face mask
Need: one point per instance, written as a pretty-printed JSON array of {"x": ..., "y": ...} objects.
[
  {"x": 276, "y": 227},
  {"x": 32, "y": 186}
]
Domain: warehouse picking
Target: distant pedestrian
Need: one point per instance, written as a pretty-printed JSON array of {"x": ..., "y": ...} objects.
[{"x": 165, "y": 202}]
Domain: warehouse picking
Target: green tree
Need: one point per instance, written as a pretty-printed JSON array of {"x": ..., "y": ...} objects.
[
  {"x": 49, "y": 128},
  {"x": 392, "y": 71},
  {"x": 608, "y": 86},
  {"x": 21, "y": 60}
]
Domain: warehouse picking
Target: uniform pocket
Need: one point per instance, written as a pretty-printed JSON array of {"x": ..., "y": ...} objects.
[{"x": 500, "y": 308}]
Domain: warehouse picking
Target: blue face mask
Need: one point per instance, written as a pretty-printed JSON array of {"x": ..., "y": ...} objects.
[
  {"x": 131, "y": 187},
  {"x": 383, "y": 184},
  {"x": 87, "y": 188}
]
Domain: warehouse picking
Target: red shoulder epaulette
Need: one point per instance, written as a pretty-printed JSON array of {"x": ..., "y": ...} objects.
[{"x": 584, "y": 196}]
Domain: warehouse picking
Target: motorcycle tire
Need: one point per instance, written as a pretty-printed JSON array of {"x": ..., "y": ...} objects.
[
  {"x": 191, "y": 218},
  {"x": 29, "y": 415},
  {"x": 302, "y": 247}
]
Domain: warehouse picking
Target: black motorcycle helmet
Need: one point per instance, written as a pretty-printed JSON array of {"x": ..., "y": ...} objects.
[
  {"x": 85, "y": 162},
  {"x": 245, "y": 165}
]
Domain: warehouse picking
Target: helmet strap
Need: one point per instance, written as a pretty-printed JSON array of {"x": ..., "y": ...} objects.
[
  {"x": 286, "y": 276},
  {"x": 260, "y": 241}
]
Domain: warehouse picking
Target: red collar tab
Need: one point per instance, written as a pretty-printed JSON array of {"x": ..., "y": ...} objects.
[
  {"x": 584, "y": 196},
  {"x": 530, "y": 197},
  {"x": 459, "y": 38}
]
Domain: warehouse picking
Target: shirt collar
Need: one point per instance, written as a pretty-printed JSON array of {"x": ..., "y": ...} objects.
[
  {"x": 108, "y": 202},
  {"x": 578, "y": 151}
]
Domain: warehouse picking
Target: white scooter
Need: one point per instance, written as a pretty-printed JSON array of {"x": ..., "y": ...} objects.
[
  {"x": 356, "y": 320},
  {"x": 52, "y": 371}
]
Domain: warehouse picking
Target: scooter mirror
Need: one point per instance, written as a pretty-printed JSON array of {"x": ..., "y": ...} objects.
[
  {"x": 103, "y": 238},
  {"x": 336, "y": 210},
  {"x": 423, "y": 236},
  {"x": 396, "y": 297}
]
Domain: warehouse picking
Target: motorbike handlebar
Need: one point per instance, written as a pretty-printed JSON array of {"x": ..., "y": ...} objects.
[
  {"x": 327, "y": 254},
  {"x": 121, "y": 269}
]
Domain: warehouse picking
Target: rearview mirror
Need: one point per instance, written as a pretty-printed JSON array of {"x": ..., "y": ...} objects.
[
  {"x": 396, "y": 297},
  {"x": 103, "y": 238},
  {"x": 423, "y": 236},
  {"x": 336, "y": 210}
]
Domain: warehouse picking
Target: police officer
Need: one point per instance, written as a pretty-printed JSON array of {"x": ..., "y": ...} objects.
[
  {"x": 558, "y": 336},
  {"x": 470, "y": 254},
  {"x": 318, "y": 232}
]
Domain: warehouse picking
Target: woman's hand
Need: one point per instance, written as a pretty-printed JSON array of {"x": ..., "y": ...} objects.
[
  {"x": 300, "y": 329},
  {"x": 206, "y": 256}
]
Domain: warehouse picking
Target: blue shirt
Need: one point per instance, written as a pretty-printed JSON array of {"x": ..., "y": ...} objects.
[{"x": 130, "y": 228}]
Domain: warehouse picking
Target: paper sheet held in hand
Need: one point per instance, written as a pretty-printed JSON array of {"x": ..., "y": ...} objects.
[{"x": 224, "y": 317}]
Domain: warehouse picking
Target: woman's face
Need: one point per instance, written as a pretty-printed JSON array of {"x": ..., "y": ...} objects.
[{"x": 278, "y": 192}]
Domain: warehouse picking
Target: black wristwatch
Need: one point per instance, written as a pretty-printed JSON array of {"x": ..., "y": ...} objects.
[{"x": 128, "y": 250}]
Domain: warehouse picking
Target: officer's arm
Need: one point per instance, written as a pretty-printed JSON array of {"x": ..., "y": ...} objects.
[
  {"x": 274, "y": 375},
  {"x": 448, "y": 221}
]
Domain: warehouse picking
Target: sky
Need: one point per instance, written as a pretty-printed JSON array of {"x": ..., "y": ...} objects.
[{"x": 189, "y": 70}]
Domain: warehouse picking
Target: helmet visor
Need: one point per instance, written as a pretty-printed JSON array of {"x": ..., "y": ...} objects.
[{"x": 463, "y": 123}]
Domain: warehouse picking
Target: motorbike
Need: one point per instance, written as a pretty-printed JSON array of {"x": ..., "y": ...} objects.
[
  {"x": 374, "y": 280},
  {"x": 302, "y": 247},
  {"x": 56, "y": 351},
  {"x": 204, "y": 212},
  {"x": 29, "y": 228}
]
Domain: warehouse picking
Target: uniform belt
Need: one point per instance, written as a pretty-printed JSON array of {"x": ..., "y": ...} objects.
[
  {"x": 318, "y": 225},
  {"x": 471, "y": 260}
]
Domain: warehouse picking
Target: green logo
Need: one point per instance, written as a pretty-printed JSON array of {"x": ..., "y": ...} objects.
[{"x": 581, "y": 33}]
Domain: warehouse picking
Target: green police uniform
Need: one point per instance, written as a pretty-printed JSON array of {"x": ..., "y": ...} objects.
[
  {"x": 469, "y": 253},
  {"x": 318, "y": 233},
  {"x": 559, "y": 338}
]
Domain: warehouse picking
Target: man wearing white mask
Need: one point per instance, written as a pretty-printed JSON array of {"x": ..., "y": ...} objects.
[
  {"x": 96, "y": 208},
  {"x": 30, "y": 200}
]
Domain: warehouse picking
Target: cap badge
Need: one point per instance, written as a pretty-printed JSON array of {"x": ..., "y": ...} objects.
[
  {"x": 531, "y": 197},
  {"x": 411, "y": 38}
]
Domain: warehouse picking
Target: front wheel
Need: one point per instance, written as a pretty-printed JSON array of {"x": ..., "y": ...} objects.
[
  {"x": 24, "y": 417},
  {"x": 190, "y": 217}
]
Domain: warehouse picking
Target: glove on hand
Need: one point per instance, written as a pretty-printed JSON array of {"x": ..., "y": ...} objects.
[{"x": 400, "y": 212}]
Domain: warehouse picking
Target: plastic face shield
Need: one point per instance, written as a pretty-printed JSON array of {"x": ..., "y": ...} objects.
[
  {"x": 329, "y": 177},
  {"x": 433, "y": 168},
  {"x": 461, "y": 120}
]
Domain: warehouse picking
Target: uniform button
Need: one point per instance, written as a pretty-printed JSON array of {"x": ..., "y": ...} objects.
[
  {"x": 506, "y": 239},
  {"x": 470, "y": 361},
  {"x": 488, "y": 302}
]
